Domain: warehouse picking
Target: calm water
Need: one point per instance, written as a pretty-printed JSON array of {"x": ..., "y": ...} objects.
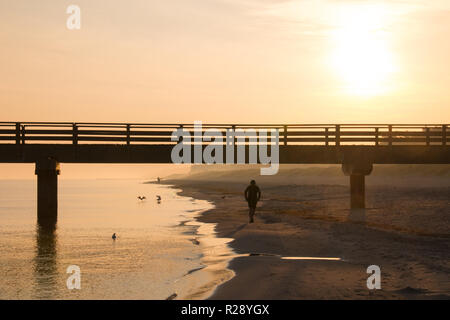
[{"x": 152, "y": 258}]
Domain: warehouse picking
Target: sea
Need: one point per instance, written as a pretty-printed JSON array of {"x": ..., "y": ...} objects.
[{"x": 161, "y": 251}]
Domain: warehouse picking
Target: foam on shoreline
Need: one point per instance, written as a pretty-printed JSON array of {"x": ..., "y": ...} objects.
[{"x": 201, "y": 282}]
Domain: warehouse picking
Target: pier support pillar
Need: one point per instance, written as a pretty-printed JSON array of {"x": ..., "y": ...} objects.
[
  {"x": 357, "y": 172},
  {"x": 47, "y": 171}
]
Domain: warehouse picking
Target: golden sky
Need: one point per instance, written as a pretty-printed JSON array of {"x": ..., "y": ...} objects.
[
  {"x": 222, "y": 61},
  {"x": 240, "y": 61}
]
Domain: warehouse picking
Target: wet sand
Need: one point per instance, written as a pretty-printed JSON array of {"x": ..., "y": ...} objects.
[
  {"x": 404, "y": 230},
  {"x": 202, "y": 281}
]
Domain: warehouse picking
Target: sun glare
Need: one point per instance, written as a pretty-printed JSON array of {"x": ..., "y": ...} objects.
[{"x": 362, "y": 57}]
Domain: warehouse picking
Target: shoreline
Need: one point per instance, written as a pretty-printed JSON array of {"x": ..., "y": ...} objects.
[
  {"x": 216, "y": 254},
  {"x": 286, "y": 232}
]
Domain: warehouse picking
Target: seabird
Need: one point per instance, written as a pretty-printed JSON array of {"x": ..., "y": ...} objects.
[
  {"x": 141, "y": 198},
  {"x": 114, "y": 236}
]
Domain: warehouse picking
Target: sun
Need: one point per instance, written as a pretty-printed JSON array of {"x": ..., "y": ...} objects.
[{"x": 361, "y": 54}]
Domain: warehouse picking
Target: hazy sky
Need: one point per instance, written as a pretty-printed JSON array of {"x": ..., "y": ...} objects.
[
  {"x": 240, "y": 61},
  {"x": 237, "y": 61}
]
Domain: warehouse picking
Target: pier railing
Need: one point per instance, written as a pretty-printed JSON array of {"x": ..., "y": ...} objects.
[{"x": 289, "y": 134}]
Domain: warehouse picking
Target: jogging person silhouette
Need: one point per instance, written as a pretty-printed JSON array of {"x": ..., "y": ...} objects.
[{"x": 252, "y": 195}]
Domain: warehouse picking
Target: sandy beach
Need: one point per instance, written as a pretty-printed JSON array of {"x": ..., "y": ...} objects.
[{"x": 404, "y": 230}]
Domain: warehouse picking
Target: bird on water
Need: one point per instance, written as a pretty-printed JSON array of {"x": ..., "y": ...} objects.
[{"x": 114, "y": 236}]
